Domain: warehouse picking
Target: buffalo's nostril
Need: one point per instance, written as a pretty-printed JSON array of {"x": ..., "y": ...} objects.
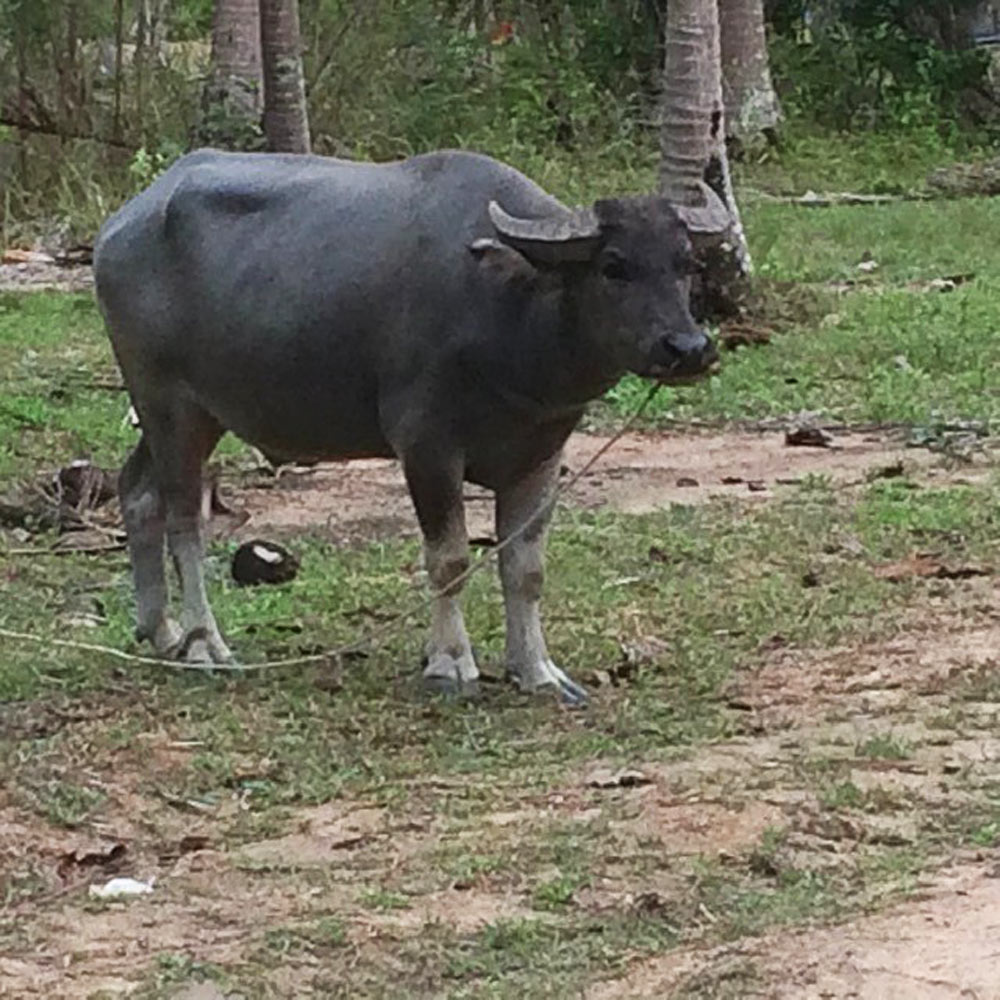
[
  {"x": 692, "y": 352},
  {"x": 683, "y": 356}
]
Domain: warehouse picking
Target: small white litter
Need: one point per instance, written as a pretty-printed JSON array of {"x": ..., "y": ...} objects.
[
  {"x": 122, "y": 887},
  {"x": 131, "y": 418},
  {"x": 268, "y": 555}
]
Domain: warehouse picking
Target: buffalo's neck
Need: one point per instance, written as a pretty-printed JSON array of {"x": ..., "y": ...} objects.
[{"x": 541, "y": 359}]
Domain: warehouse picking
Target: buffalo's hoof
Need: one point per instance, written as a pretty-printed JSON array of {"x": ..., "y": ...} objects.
[
  {"x": 569, "y": 693},
  {"x": 167, "y": 638},
  {"x": 450, "y": 675},
  {"x": 200, "y": 647},
  {"x": 546, "y": 678},
  {"x": 451, "y": 687}
]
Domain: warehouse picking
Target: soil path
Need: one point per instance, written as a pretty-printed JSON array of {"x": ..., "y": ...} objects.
[
  {"x": 945, "y": 941},
  {"x": 641, "y": 473},
  {"x": 941, "y": 946},
  {"x": 44, "y": 276}
]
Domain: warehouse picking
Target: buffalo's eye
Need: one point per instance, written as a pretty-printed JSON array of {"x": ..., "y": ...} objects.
[{"x": 615, "y": 268}]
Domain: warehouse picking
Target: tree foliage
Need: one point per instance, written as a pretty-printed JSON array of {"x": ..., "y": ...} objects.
[
  {"x": 857, "y": 64},
  {"x": 385, "y": 78}
]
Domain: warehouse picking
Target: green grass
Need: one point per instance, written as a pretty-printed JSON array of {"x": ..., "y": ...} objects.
[
  {"x": 59, "y": 386},
  {"x": 536, "y": 958},
  {"x": 75, "y": 728},
  {"x": 884, "y": 746},
  {"x": 889, "y": 356},
  {"x": 897, "y": 356},
  {"x": 314, "y": 938},
  {"x": 384, "y": 900},
  {"x": 862, "y": 162},
  {"x": 730, "y": 572},
  {"x": 68, "y": 805},
  {"x": 53, "y": 354}
]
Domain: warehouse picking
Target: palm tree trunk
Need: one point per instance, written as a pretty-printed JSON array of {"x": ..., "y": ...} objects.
[
  {"x": 286, "y": 121},
  {"x": 694, "y": 168},
  {"x": 139, "y": 66},
  {"x": 69, "y": 73},
  {"x": 231, "y": 101},
  {"x": 752, "y": 109},
  {"x": 116, "y": 126}
]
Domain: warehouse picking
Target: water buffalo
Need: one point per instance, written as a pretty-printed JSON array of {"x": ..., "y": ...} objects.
[{"x": 444, "y": 310}]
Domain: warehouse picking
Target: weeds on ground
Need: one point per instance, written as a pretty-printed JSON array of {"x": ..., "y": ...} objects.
[{"x": 259, "y": 750}]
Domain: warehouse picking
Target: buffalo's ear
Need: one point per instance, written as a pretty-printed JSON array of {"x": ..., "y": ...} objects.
[
  {"x": 502, "y": 261},
  {"x": 566, "y": 236}
]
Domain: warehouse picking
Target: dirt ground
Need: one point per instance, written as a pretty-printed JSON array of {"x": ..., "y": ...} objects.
[
  {"x": 642, "y": 472},
  {"x": 44, "y": 276},
  {"x": 943, "y": 942},
  {"x": 940, "y": 946}
]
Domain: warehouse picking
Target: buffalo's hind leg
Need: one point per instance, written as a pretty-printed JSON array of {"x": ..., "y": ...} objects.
[
  {"x": 436, "y": 490},
  {"x": 523, "y": 511},
  {"x": 181, "y": 436},
  {"x": 145, "y": 524}
]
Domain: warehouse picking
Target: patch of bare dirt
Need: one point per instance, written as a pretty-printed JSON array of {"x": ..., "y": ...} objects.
[
  {"x": 207, "y": 912},
  {"x": 641, "y": 473},
  {"x": 214, "y": 905},
  {"x": 888, "y": 678},
  {"x": 322, "y": 832},
  {"x": 707, "y": 828},
  {"x": 44, "y": 276},
  {"x": 643, "y": 807},
  {"x": 912, "y": 719},
  {"x": 463, "y": 910},
  {"x": 942, "y": 945}
]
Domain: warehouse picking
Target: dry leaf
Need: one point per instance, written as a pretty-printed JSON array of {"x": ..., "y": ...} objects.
[
  {"x": 606, "y": 778},
  {"x": 924, "y": 565},
  {"x": 13, "y": 255},
  {"x": 108, "y": 858},
  {"x": 737, "y": 335},
  {"x": 806, "y": 436}
]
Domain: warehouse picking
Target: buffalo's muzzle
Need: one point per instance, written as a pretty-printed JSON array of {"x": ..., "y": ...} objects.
[{"x": 683, "y": 358}]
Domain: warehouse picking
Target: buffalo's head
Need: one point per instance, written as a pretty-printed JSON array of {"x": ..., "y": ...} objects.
[{"x": 626, "y": 265}]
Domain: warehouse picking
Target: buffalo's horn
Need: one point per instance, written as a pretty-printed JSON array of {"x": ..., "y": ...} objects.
[
  {"x": 571, "y": 235},
  {"x": 711, "y": 216}
]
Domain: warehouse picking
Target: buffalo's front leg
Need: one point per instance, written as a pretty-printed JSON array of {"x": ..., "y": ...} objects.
[
  {"x": 436, "y": 490},
  {"x": 526, "y": 505}
]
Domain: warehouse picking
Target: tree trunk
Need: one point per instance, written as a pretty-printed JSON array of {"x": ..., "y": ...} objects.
[
  {"x": 752, "y": 109},
  {"x": 286, "y": 121},
  {"x": 21, "y": 43},
  {"x": 69, "y": 73},
  {"x": 139, "y": 66},
  {"x": 231, "y": 100},
  {"x": 694, "y": 168},
  {"x": 116, "y": 121}
]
